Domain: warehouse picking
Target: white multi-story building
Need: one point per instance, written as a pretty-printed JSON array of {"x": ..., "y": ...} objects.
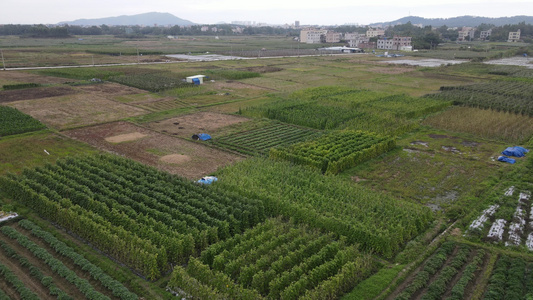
[
  {"x": 485, "y": 34},
  {"x": 374, "y": 32},
  {"x": 467, "y": 33},
  {"x": 333, "y": 37},
  {"x": 514, "y": 36},
  {"x": 312, "y": 36},
  {"x": 402, "y": 43},
  {"x": 386, "y": 44}
]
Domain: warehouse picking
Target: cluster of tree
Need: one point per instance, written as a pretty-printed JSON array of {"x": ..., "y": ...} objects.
[
  {"x": 42, "y": 31},
  {"x": 423, "y": 37},
  {"x": 428, "y": 37},
  {"x": 502, "y": 33}
]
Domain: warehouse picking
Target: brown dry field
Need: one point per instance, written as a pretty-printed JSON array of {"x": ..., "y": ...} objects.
[
  {"x": 189, "y": 159},
  {"x": 35, "y": 93},
  {"x": 110, "y": 89},
  {"x": 11, "y": 77},
  {"x": 203, "y": 122},
  {"x": 76, "y": 110},
  {"x": 77, "y": 106}
]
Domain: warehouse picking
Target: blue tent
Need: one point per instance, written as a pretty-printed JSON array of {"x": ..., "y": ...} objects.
[
  {"x": 506, "y": 159},
  {"x": 515, "y": 151},
  {"x": 201, "y": 137},
  {"x": 207, "y": 180}
]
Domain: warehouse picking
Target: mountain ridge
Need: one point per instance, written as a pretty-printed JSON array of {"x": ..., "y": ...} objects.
[
  {"x": 145, "y": 19},
  {"x": 470, "y": 21}
]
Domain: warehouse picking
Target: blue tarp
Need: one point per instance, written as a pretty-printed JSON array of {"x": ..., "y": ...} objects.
[
  {"x": 201, "y": 137},
  {"x": 207, "y": 180},
  {"x": 506, "y": 159},
  {"x": 515, "y": 151}
]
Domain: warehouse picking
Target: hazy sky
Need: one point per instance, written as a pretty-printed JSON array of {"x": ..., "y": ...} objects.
[{"x": 270, "y": 11}]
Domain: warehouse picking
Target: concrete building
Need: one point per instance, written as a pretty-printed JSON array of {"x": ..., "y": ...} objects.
[
  {"x": 485, "y": 34},
  {"x": 367, "y": 45},
  {"x": 402, "y": 43},
  {"x": 385, "y": 43},
  {"x": 374, "y": 32},
  {"x": 353, "y": 36},
  {"x": 359, "y": 41},
  {"x": 333, "y": 37},
  {"x": 296, "y": 24},
  {"x": 514, "y": 36},
  {"x": 312, "y": 36},
  {"x": 467, "y": 33}
]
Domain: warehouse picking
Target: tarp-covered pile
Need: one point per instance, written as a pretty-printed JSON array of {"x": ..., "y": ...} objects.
[
  {"x": 506, "y": 159},
  {"x": 207, "y": 180},
  {"x": 516, "y": 151},
  {"x": 201, "y": 137}
]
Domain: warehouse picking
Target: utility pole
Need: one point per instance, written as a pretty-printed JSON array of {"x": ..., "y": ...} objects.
[
  {"x": 92, "y": 56},
  {"x": 138, "y": 58},
  {"x": 3, "y": 63}
]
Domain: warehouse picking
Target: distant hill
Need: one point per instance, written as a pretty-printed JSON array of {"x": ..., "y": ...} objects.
[
  {"x": 146, "y": 19},
  {"x": 470, "y": 21}
]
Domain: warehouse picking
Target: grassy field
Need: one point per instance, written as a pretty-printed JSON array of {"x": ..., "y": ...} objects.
[
  {"x": 489, "y": 124},
  {"x": 370, "y": 229}
]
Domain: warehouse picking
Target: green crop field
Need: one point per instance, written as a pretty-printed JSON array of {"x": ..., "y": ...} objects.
[
  {"x": 12, "y": 121},
  {"x": 339, "y": 176},
  {"x": 511, "y": 96},
  {"x": 335, "y": 151},
  {"x": 255, "y": 265},
  {"x": 259, "y": 141}
]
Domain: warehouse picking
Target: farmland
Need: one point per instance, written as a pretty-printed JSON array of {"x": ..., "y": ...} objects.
[
  {"x": 14, "y": 122},
  {"x": 339, "y": 176},
  {"x": 260, "y": 141}
]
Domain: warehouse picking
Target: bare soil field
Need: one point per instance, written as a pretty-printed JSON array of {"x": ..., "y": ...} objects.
[
  {"x": 76, "y": 110},
  {"x": 108, "y": 88},
  {"x": 35, "y": 93},
  {"x": 174, "y": 155},
  {"x": 202, "y": 122},
  {"x": 128, "y": 137},
  {"x": 21, "y": 77}
]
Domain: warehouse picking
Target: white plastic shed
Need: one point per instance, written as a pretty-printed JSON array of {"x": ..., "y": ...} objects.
[{"x": 196, "y": 79}]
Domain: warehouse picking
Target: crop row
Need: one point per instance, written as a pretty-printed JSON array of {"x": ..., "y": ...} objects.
[
  {"x": 8, "y": 276},
  {"x": 337, "y": 107},
  {"x": 143, "y": 217},
  {"x": 34, "y": 271},
  {"x": 151, "y": 82},
  {"x": 259, "y": 141},
  {"x": 376, "y": 221},
  {"x": 275, "y": 260},
  {"x": 511, "y": 96},
  {"x": 56, "y": 265},
  {"x": 96, "y": 273},
  {"x": 12, "y": 121},
  {"x": 19, "y": 86},
  {"x": 336, "y": 151},
  {"x": 511, "y": 220},
  {"x": 431, "y": 266},
  {"x": 512, "y": 278}
]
